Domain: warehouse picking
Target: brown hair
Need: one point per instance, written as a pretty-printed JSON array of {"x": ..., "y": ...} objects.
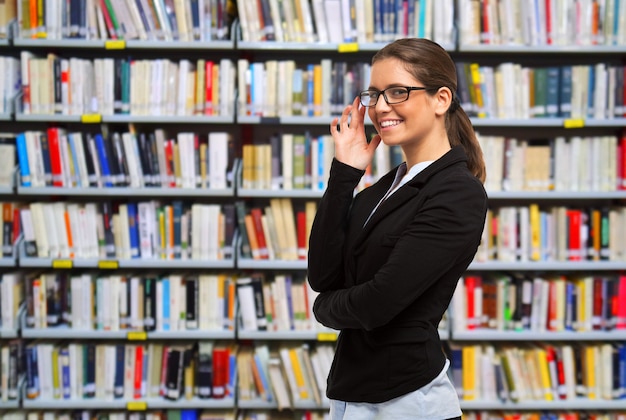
[{"x": 429, "y": 63}]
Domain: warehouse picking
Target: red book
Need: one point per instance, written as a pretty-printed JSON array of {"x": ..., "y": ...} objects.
[
  {"x": 257, "y": 218},
  {"x": 597, "y": 322},
  {"x": 621, "y": 167},
  {"x": 486, "y": 37},
  {"x": 560, "y": 374},
  {"x": 16, "y": 225},
  {"x": 137, "y": 378},
  {"x": 470, "y": 286},
  {"x": 208, "y": 89},
  {"x": 220, "y": 371},
  {"x": 552, "y": 307},
  {"x": 620, "y": 303},
  {"x": 549, "y": 28},
  {"x": 574, "y": 221},
  {"x": 162, "y": 382},
  {"x": 169, "y": 163},
  {"x": 107, "y": 20},
  {"x": 301, "y": 233},
  {"x": 54, "y": 149}
]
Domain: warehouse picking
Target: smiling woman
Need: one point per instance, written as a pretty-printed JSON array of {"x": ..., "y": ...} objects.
[{"x": 386, "y": 261}]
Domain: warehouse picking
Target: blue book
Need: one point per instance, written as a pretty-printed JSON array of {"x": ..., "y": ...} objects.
[
  {"x": 310, "y": 90},
  {"x": 321, "y": 184},
  {"x": 288, "y": 289},
  {"x": 103, "y": 158},
  {"x": 64, "y": 359},
  {"x": 22, "y": 159},
  {"x": 32, "y": 375},
  {"x": 565, "y": 92},
  {"x": 262, "y": 375},
  {"x": 422, "y": 19},
  {"x": 165, "y": 281},
  {"x": 188, "y": 414},
  {"x": 133, "y": 230},
  {"x": 591, "y": 91},
  {"x": 378, "y": 20},
  {"x": 552, "y": 89},
  {"x": 177, "y": 207},
  {"x": 118, "y": 379},
  {"x": 621, "y": 350},
  {"x": 569, "y": 306}
]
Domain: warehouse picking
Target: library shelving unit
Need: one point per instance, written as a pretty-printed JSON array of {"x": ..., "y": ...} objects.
[{"x": 477, "y": 44}]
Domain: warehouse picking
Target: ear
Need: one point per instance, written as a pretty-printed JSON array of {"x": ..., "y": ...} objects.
[{"x": 443, "y": 99}]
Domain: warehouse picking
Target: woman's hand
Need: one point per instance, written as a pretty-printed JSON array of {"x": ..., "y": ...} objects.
[{"x": 351, "y": 146}]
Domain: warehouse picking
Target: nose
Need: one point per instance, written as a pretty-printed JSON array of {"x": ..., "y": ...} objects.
[{"x": 382, "y": 104}]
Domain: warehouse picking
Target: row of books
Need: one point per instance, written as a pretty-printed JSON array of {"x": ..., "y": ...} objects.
[
  {"x": 346, "y": 21},
  {"x": 539, "y": 372},
  {"x": 553, "y": 233},
  {"x": 511, "y": 90},
  {"x": 58, "y": 158},
  {"x": 11, "y": 298},
  {"x": 282, "y": 302},
  {"x": 142, "y": 230},
  {"x": 576, "y": 163},
  {"x": 202, "y": 20},
  {"x": 285, "y": 374},
  {"x": 516, "y": 302},
  {"x": 543, "y": 415},
  {"x": 288, "y": 161},
  {"x": 276, "y": 231},
  {"x": 123, "y": 302},
  {"x": 277, "y": 88},
  {"x": 539, "y": 23},
  {"x": 64, "y": 371},
  {"x": 9, "y": 82},
  {"x": 150, "y": 414},
  {"x": 52, "y": 84}
]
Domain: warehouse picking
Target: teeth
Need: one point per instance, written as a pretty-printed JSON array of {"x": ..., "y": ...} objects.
[{"x": 389, "y": 123}]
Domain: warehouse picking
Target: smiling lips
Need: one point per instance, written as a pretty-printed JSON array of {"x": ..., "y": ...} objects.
[{"x": 385, "y": 124}]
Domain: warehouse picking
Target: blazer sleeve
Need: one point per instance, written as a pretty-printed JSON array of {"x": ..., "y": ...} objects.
[
  {"x": 444, "y": 232},
  {"x": 328, "y": 232}
]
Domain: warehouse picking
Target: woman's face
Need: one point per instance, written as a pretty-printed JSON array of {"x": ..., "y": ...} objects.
[{"x": 405, "y": 123}]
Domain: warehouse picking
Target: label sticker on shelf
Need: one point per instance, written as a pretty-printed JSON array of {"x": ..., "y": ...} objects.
[
  {"x": 115, "y": 44},
  {"x": 137, "y": 335},
  {"x": 327, "y": 336},
  {"x": 347, "y": 47},
  {"x": 91, "y": 118},
  {"x": 108, "y": 264},
  {"x": 62, "y": 263},
  {"x": 41, "y": 35},
  {"x": 574, "y": 123},
  {"x": 137, "y": 406}
]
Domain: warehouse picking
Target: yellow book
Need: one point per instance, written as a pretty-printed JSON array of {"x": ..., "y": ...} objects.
[
  {"x": 299, "y": 374},
  {"x": 247, "y": 175},
  {"x": 189, "y": 379},
  {"x": 535, "y": 232},
  {"x": 317, "y": 90},
  {"x": 200, "y": 87},
  {"x": 217, "y": 109},
  {"x": 161, "y": 216},
  {"x": 589, "y": 371},
  {"x": 469, "y": 372},
  {"x": 477, "y": 88},
  {"x": 544, "y": 372},
  {"x": 56, "y": 380},
  {"x": 178, "y": 176},
  {"x": 203, "y": 168}
]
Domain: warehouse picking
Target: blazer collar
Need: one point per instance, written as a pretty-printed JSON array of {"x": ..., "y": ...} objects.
[{"x": 411, "y": 188}]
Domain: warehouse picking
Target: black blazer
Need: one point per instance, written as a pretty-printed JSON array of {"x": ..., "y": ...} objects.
[{"x": 386, "y": 285}]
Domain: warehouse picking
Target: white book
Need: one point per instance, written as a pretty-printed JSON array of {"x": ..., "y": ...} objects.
[
  {"x": 76, "y": 284},
  {"x": 218, "y": 159},
  {"x": 334, "y": 22},
  {"x": 176, "y": 303},
  {"x": 227, "y": 77},
  {"x": 146, "y": 226},
  {"x": 135, "y": 173}
]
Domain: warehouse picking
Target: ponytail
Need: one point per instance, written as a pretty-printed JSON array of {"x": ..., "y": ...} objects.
[{"x": 460, "y": 131}]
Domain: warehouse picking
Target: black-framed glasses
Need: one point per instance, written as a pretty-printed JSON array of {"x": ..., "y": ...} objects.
[{"x": 393, "y": 95}]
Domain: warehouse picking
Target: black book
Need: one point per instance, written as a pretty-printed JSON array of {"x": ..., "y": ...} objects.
[
  {"x": 191, "y": 290},
  {"x": 144, "y": 159},
  {"x": 174, "y": 373},
  {"x": 89, "y": 369},
  {"x": 53, "y": 300},
  {"x": 230, "y": 225},
  {"x": 204, "y": 370},
  {"x": 259, "y": 301},
  {"x": 107, "y": 219},
  {"x": 58, "y": 99},
  {"x": 158, "y": 178},
  {"x": 149, "y": 303},
  {"x": 119, "y": 167},
  {"x": 15, "y": 369},
  {"x": 45, "y": 153},
  {"x": 117, "y": 86}
]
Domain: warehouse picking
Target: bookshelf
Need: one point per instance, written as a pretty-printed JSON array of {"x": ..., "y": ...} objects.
[{"x": 258, "y": 128}]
